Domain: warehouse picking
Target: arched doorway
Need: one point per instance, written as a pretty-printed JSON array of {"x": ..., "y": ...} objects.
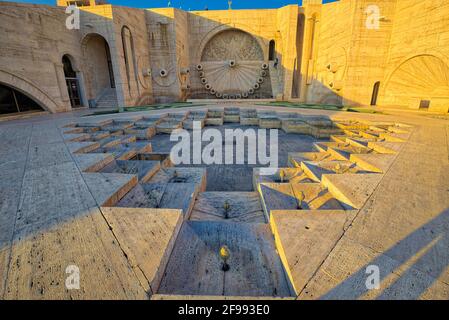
[
  {"x": 375, "y": 93},
  {"x": 14, "y": 101},
  {"x": 99, "y": 74},
  {"x": 72, "y": 82}
]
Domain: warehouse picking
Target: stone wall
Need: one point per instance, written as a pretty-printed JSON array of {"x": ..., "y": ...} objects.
[
  {"x": 420, "y": 45},
  {"x": 135, "y": 84},
  {"x": 325, "y": 53},
  {"x": 408, "y": 54},
  {"x": 33, "y": 40},
  {"x": 163, "y": 49}
]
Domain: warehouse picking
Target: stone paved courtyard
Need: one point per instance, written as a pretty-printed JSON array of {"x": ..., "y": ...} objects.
[{"x": 104, "y": 197}]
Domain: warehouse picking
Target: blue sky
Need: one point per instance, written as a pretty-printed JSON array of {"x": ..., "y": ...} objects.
[{"x": 191, "y": 4}]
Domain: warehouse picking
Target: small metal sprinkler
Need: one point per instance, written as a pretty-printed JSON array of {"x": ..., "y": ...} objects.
[
  {"x": 224, "y": 256},
  {"x": 338, "y": 168},
  {"x": 226, "y": 207},
  {"x": 282, "y": 175},
  {"x": 301, "y": 198}
]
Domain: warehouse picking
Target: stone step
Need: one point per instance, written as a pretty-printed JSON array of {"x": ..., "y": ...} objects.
[
  {"x": 296, "y": 158},
  {"x": 108, "y": 188},
  {"x": 296, "y": 196},
  {"x": 228, "y": 207},
  {"x": 395, "y": 137},
  {"x": 305, "y": 238},
  {"x": 359, "y": 142},
  {"x": 386, "y": 147},
  {"x": 279, "y": 175},
  {"x": 379, "y": 163},
  {"x": 352, "y": 189},
  {"x": 147, "y": 238},
  {"x": 196, "y": 176},
  {"x": 162, "y": 195},
  {"x": 93, "y": 162},
  {"x": 143, "y": 169}
]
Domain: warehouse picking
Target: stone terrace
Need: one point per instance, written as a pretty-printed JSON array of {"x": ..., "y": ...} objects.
[{"x": 60, "y": 206}]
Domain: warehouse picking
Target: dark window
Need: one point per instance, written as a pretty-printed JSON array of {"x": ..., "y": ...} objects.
[
  {"x": 272, "y": 51},
  {"x": 12, "y": 101},
  {"x": 108, "y": 57},
  {"x": 71, "y": 82},
  {"x": 68, "y": 69},
  {"x": 375, "y": 93}
]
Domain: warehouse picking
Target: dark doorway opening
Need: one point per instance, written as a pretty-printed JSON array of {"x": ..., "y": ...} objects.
[
  {"x": 111, "y": 70},
  {"x": 424, "y": 104},
  {"x": 72, "y": 83},
  {"x": 13, "y": 101},
  {"x": 375, "y": 93},
  {"x": 272, "y": 51}
]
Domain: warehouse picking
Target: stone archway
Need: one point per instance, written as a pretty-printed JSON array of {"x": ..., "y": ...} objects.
[
  {"x": 31, "y": 90},
  {"x": 419, "y": 78},
  {"x": 99, "y": 73},
  {"x": 232, "y": 66}
]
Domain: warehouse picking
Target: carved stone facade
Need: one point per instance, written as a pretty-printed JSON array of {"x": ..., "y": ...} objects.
[
  {"x": 314, "y": 53},
  {"x": 232, "y": 45}
]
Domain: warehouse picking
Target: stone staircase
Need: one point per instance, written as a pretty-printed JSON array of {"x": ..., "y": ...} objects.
[
  {"x": 165, "y": 220},
  {"x": 108, "y": 98}
]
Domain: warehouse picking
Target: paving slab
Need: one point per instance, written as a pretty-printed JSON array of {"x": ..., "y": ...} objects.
[
  {"x": 4, "y": 266},
  {"x": 352, "y": 189},
  {"x": 108, "y": 188},
  {"x": 57, "y": 191},
  {"x": 45, "y": 133},
  {"x": 41, "y": 254},
  {"x": 243, "y": 207},
  {"x": 14, "y": 135},
  {"x": 12, "y": 166},
  {"x": 411, "y": 228},
  {"x": 147, "y": 237},
  {"x": 44, "y": 155},
  {"x": 255, "y": 268},
  {"x": 343, "y": 276},
  {"x": 9, "y": 201},
  {"x": 305, "y": 238}
]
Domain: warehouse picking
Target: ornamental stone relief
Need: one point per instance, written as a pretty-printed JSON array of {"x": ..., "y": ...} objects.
[{"x": 232, "y": 45}]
